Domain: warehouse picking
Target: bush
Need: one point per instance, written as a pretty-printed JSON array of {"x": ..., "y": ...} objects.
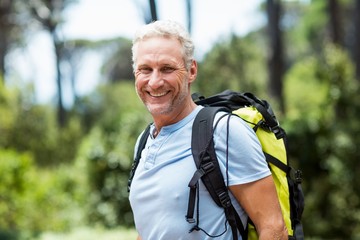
[
  {"x": 35, "y": 200},
  {"x": 15, "y": 171}
]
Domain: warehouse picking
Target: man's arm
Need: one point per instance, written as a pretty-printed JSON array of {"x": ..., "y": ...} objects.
[
  {"x": 138, "y": 237},
  {"x": 260, "y": 201}
]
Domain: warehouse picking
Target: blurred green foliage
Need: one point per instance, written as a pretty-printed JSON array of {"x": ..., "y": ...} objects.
[
  {"x": 234, "y": 63},
  {"x": 322, "y": 122},
  {"x": 33, "y": 200}
]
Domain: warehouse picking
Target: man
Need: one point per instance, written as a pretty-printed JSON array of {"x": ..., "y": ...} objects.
[{"x": 164, "y": 69}]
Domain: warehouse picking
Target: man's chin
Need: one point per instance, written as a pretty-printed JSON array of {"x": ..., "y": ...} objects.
[{"x": 157, "y": 110}]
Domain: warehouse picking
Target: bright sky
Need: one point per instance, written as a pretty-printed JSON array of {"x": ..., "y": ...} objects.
[{"x": 100, "y": 19}]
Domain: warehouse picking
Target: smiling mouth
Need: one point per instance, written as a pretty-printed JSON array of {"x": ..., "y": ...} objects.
[{"x": 160, "y": 94}]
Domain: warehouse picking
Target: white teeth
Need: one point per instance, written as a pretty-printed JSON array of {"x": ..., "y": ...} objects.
[{"x": 158, "y": 94}]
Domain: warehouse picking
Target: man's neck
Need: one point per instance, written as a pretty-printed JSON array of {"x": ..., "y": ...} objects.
[{"x": 171, "y": 118}]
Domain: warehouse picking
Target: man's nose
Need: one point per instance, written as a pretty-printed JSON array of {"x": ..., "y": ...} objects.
[{"x": 155, "y": 80}]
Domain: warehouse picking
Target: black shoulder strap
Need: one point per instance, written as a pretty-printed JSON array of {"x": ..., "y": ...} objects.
[
  {"x": 141, "y": 146},
  {"x": 208, "y": 169}
]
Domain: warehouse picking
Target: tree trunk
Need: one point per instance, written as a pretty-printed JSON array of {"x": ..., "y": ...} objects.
[
  {"x": 275, "y": 61},
  {"x": 334, "y": 22},
  {"x": 189, "y": 15},
  {"x": 153, "y": 10},
  {"x": 3, "y": 50},
  {"x": 5, "y": 26},
  {"x": 357, "y": 38},
  {"x": 50, "y": 23},
  {"x": 61, "y": 117}
]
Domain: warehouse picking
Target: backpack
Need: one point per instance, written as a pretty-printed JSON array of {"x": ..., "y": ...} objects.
[{"x": 259, "y": 115}]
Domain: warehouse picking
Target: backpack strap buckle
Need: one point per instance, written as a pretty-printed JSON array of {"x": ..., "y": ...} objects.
[
  {"x": 298, "y": 176},
  {"x": 207, "y": 167},
  {"x": 204, "y": 169},
  {"x": 278, "y": 131},
  {"x": 225, "y": 199}
]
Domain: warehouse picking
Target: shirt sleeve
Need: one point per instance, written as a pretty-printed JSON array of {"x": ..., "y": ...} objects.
[{"x": 239, "y": 151}]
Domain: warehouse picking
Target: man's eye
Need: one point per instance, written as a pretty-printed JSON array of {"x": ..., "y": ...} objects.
[
  {"x": 167, "y": 69},
  {"x": 145, "y": 70}
]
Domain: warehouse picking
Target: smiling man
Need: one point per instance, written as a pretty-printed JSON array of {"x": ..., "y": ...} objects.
[
  {"x": 164, "y": 69},
  {"x": 163, "y": 80}
]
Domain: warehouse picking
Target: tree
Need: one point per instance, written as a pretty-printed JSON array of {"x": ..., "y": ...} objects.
[
  {"x": 276, "y": 60},
  {"x": 118, "y": 66},
  {"x": 236, "y": 63},
  {"x": 48, "y": 13},
  {"x": 73, "y": 54},
  {"x": 324, "y": 144}
]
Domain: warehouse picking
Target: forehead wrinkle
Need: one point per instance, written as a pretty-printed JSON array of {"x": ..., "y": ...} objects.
[
  {"x": 158, "y": 59},
  {"x": 151, "y": 51}
]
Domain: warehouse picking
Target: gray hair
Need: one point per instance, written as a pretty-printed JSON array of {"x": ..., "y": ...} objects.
[{"x": 165, "y": 28}]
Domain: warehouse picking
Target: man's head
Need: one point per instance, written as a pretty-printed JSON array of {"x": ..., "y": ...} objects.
[
  {"x": 165, "y": 29},
  {"x": 164, "y": 68}
]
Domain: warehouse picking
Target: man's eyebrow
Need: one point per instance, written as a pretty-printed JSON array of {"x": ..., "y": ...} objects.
[
  {"x": 167, "y": 65},
  {"x": 143, "y": 65}
]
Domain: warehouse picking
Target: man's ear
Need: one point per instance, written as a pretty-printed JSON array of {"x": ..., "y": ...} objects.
[{"x": 193, "y": 71}]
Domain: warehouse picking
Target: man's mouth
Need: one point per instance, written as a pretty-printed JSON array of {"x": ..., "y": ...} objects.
[{"x": 159, "y": 94}]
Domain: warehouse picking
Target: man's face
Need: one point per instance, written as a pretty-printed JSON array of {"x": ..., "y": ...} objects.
[{"x": 161, "y": 79}]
